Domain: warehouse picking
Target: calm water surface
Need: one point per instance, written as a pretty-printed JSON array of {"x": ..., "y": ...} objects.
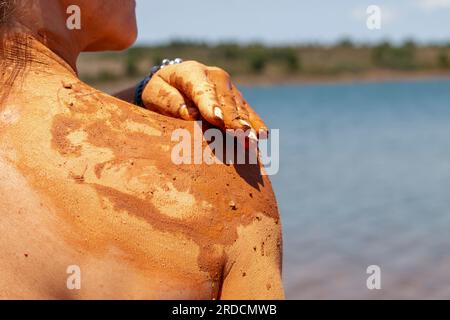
[{"x": 364, "y": 180}]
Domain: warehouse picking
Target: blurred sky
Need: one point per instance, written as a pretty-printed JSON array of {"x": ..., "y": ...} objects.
[{"x": 288, "y": 21}]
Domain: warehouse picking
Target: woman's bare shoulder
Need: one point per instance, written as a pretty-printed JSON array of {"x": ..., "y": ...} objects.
[{"x": 124, "y": 155}]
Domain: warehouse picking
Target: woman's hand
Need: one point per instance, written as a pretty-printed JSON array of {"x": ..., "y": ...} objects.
[{"x": 191, "y": 91}]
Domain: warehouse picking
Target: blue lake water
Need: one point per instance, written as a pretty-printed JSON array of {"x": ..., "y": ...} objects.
[{"x": 364, "y": 180}]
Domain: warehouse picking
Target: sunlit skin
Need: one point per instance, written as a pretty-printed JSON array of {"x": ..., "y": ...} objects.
[{"x": 87, "y": 179}]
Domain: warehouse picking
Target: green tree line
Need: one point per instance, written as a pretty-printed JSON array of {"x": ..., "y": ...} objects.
[{"x": 258, "y": 60}]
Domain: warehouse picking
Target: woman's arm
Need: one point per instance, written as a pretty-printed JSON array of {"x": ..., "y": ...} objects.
[{"x": 126, "y": 95}]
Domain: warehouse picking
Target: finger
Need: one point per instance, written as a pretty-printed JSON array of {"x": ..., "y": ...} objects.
[
  {"x": 233, "y": 119},
  {"x": 161, "y": 97},
  {"x": 255, "y": 120},
  {"x": 191, "y": 79}
]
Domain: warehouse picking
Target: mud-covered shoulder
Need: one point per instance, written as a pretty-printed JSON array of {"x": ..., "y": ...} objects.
[{"x": 130, "y": 165}]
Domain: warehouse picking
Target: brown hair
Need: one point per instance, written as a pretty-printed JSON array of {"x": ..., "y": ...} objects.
[
  {"x": 6, "y": 11},
  {"x": 14, "y": 48}
]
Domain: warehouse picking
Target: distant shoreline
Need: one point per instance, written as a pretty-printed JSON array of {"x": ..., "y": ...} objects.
[
  {"x": 369, "y": 77},
  {"x": 250, "y": 81}
]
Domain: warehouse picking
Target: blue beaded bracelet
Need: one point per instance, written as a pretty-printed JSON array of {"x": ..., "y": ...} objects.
[{"x": 139, "y": 90}]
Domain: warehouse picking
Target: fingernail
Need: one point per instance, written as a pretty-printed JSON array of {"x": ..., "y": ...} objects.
[
  {"x": 252, "y": 136},
  {"x": 245, "y": 124},
  {"x": 184, "y": 113},
  {"x": 188, "y": 113},
  {"x": 264, "y": 132},
  {"x": 218, "y": 113}
]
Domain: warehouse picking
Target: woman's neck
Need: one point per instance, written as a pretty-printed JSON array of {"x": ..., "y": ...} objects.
[
  {"x": 22, "y": 52},
  {"x": 53, "y": 57},
  {"x": 26, "y": 63}
]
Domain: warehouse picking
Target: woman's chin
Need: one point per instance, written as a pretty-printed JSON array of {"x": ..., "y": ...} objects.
[{"x": 113, "y": 45}]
